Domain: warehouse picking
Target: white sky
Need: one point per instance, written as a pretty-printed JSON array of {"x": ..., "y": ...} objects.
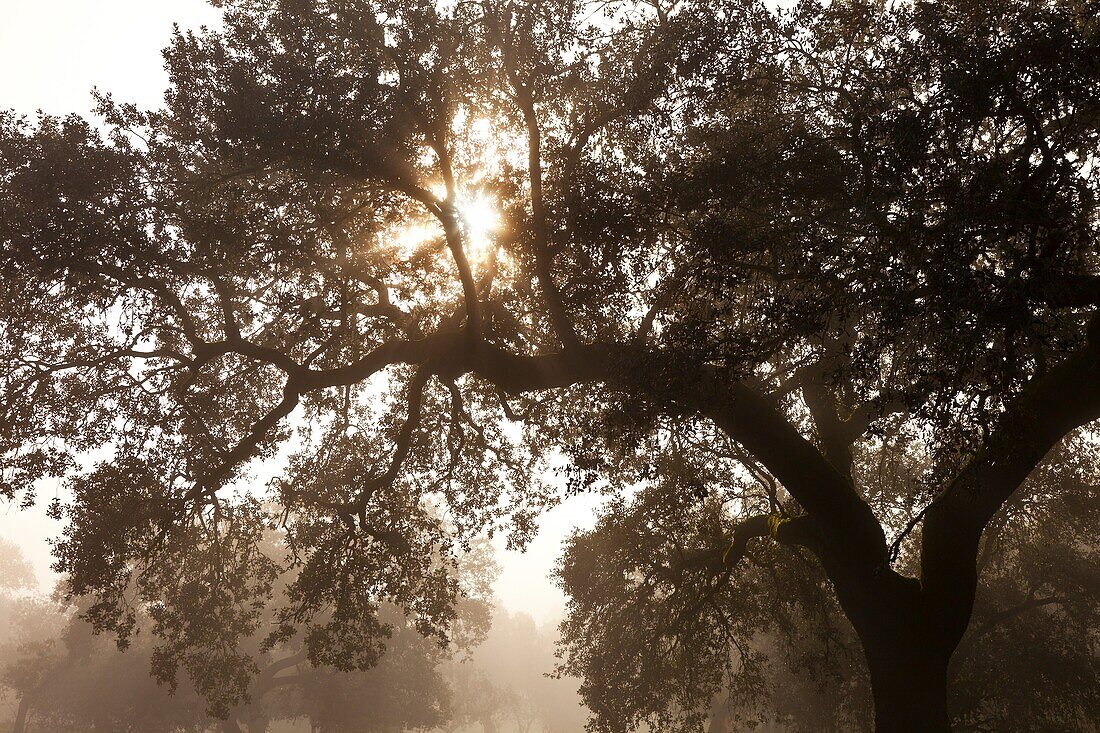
[{"x": 52, "y": 53}]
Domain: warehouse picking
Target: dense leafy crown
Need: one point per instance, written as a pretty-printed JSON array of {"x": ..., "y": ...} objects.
[{"x": 878, "y": 222}]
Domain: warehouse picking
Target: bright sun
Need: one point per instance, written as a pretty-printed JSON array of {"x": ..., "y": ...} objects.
[
  {"x": 481, "y": 220},
  {"x": 479, "y": 217}
]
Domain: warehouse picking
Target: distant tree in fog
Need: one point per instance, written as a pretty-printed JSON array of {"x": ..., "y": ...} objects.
[
  {"x": 66, "y": 678},
  {"x": 84, "y": 683},
  {"x": 28, "y": 626},
  {"x": 508, "y": 683},
  {"x": 16, "y": 573}
]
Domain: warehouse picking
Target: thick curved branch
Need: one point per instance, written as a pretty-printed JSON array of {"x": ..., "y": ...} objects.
[
  {"x": 247, "y": 446},
  {"x": 266, "y": 679},
  {"x": 792, "y": 531},
  {"x": 544, "y": 260},
  {"x": 1049, "y": 408},
  {"x": 850, "y": 530}
]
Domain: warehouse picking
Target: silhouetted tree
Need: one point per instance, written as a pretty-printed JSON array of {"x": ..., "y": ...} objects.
[{"x": 733, "y": 242}]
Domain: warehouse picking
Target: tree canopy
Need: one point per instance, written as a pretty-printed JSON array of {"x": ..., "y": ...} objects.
[{"x": 736, "y": 264}]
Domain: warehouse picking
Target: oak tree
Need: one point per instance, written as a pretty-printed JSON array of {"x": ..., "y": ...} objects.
[{"x": 425, "y": 247}]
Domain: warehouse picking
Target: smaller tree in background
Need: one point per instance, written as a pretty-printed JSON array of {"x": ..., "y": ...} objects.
[
  {"x": 509, "y": 681},
  {"x": 72, "y": 680},
  {"x": 28, "y": 625},
  {"x": 476, "y": 701},
  {"x": 16, "y": 574},
  {"x": 67, "y": 678},
  {"x": 401, "y": 689},
  {"x": 86, "y": 684},
  {"x": 405, "y": 691}
]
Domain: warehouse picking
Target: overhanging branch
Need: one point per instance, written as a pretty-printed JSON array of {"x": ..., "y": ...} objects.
[{"x": 1048, "y": 408}]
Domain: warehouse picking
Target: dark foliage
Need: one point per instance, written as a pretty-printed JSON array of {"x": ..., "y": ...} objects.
[{"x": 742, "y": 256}]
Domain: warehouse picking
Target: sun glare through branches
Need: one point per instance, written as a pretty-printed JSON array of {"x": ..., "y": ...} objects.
[{"x": 480, "y": 217}]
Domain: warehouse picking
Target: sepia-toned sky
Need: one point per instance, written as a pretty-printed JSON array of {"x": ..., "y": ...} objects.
[{"x": 52, "y": 53}]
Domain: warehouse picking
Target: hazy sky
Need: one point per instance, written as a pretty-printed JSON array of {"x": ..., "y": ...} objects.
[{"x": 52, "y": 53}]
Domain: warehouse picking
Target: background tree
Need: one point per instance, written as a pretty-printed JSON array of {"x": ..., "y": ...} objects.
[
  {"x": 732, "y": 242},
  {"x": 67, "y": 678},
  {"x": 16, "y": 574},
  {"x": 405, "y": 691},
  {"x": 28, "y": 626},
  {"x": 82, "y": 682},
  {"x": 508, "y": 679},
  {"x": 476, "y": 701}
]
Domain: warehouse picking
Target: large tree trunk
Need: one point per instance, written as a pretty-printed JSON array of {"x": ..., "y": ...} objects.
[
  {"x": 906, "y": 649},
  {"x": 909, "y": 686}
]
